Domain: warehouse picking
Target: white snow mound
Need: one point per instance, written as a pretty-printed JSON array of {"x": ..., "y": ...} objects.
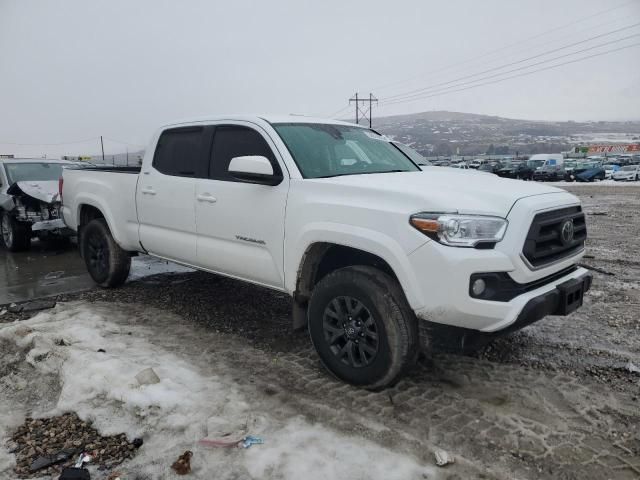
[{"x": 190, "y": 402}]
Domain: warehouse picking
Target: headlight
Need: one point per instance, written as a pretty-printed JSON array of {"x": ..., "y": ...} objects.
[{"x": 460, "y": 230}]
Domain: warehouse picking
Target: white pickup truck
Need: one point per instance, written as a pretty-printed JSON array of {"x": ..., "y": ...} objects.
[{"x": 378, "y": 255}]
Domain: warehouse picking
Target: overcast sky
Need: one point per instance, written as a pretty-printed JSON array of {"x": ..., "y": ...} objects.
[{"x": 73, "y": 70}]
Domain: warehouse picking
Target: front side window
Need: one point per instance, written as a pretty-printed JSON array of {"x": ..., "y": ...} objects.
[
  {"x": 327, "y": 150},
  {"x": 180, "y": 152},
  {"x": 230, "y": 141},
  {"x": 32, "y": 171}
]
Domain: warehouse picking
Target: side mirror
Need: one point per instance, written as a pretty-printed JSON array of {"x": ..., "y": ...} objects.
[{"x": 253, "y": 169}]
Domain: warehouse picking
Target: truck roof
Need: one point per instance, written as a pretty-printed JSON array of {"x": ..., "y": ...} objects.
[{"x": 270, "y": 118}]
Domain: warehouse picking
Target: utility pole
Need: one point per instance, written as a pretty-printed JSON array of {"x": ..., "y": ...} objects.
[
  {"x": 102, "y": 146},
  {"x": 361, "y": 111}
]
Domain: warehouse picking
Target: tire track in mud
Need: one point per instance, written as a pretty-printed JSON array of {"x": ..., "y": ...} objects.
[{"x": 508, "y": 420}]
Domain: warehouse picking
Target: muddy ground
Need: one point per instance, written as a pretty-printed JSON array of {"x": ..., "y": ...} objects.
[{"x": 555, "y": 400}]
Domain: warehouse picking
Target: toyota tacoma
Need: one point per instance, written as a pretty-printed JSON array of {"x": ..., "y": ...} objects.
[{"x": 378, "y": 255}]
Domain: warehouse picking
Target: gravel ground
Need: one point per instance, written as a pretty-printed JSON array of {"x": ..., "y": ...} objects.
[
  {"x": 48, "y": 436},
  {"x": 555, "y": 400}
]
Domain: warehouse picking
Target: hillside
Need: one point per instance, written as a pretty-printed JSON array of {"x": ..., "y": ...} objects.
[{"x": 446, "y": 133}]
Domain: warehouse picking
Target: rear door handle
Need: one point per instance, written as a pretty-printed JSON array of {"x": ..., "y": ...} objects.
[
  {"x": 148, "y": 191},
  {"x": 207, "y": 197}
]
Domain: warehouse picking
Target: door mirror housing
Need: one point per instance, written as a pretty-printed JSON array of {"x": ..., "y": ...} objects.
[{"x": 253, "y": 169}]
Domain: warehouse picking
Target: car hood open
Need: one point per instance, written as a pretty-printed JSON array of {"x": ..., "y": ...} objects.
[{"x": 43, "y": 190}]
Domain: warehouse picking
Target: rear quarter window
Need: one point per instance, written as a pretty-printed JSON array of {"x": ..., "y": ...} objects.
[{"x": 181, "y": 152}]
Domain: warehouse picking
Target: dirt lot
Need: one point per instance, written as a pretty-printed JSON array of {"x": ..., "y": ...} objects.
[{"x": 557, "y": 400}]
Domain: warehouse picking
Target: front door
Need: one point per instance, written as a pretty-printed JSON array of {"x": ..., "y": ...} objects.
[
  {"x": 165, "y": 195},
  {"x": 241, "y": 225}
]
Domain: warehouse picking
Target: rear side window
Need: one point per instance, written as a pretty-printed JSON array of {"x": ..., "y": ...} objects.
[
  {"x": 231, "y": 141},
  {"x": 180, "y": 152}
]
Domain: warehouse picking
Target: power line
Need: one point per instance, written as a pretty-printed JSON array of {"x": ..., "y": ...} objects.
[
  {"x": 501, "y": 49},
  {"x": 337, "y": 112},
  {"x": 430, "y": 87},
  {"x": 124, "y": 143},
  {"x": 427, "y": 90},
  {"x": 516, "y": 76}
]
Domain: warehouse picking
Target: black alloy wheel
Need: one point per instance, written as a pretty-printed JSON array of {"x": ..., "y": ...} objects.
[
  {"x": 97, "y": 256},
  {"x": 351, "y": 331},
  {"x": 107, "y": 263}
]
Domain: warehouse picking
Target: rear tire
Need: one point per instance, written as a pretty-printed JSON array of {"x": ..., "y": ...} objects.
[
  {"x": 16, "y": 237},
  {"x": 107, "y": 263},
  {"x": 362, "y": 327}
]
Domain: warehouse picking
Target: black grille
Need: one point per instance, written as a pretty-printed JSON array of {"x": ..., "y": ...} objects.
[{"x": 544, "y": 243}]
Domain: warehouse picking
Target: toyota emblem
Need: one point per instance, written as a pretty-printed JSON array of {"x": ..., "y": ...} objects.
[{"x": 566, "y": 234}]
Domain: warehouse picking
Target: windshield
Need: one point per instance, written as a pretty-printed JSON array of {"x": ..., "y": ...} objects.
[
  {"x": 535, "y": 163},
  {"x": 324, "y": 150},
  {"x": 570, "y": 164},
  {"x": 20, "y": 172},
  {"x": 588, "y": 165},
  {"x": 629, "y": 168}
]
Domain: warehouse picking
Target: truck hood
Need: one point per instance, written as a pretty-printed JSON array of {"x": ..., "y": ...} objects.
[
  {"x": 446, "y": 189},
  {"x": 43, "y": 190}
]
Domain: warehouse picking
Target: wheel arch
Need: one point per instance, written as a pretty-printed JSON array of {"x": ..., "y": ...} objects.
[
  {"x": 89, "y": 208},
  {"x": 323, "y": 257}
]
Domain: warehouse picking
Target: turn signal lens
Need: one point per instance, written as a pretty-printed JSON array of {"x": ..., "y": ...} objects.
[{"x": 425, "y": 225}]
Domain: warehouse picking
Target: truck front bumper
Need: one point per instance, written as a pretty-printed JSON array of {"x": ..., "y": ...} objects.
[{"x": 445, "y": 277}]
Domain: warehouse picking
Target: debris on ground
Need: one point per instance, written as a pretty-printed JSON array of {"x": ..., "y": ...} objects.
[
  {"x": 54, "y": 275},
  {"x": 182, "y": 465},
  {"x": 40, "y": 440},
  {"x": 32, "y": 306},
  {"x": 73, "y": 473},
  {"x": 3, "y": 311},
  {"x": 147, "y": 377},
  {"x": 77, "y": 472},
  {"x": 596, "y": 269},
  {"x": 632, "y": 367},
  {"x": 48, "y": 460},
  {"x": 251, "y": 440},
  {"x": 443, "y": 458},
  {"x": 245, "y": 442}
]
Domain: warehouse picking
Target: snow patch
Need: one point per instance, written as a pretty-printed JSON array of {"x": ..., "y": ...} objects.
[{"x": 189, "y": 403}]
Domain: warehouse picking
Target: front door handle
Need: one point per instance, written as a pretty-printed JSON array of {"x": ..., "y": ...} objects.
[
  {"x": 148, "y": 191},
  {"x": 207, "y": 197}
]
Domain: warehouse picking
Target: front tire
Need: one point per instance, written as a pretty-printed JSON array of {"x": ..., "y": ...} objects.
[
  {"x": 16, "y": 237},
  {"x": 107, "y": 263},
  {"x": 362, "y": 327}
]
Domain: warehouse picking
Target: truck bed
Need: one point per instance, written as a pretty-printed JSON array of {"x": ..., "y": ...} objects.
[{"x": 109, "y": 189}]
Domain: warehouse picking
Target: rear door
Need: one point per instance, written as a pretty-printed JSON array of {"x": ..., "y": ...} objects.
[
  {"x": 165, "y": 195},
  {"x": 241, "y": 225}
]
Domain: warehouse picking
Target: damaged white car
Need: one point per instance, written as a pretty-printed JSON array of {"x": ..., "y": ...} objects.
[{"x": 30, "y": 202}]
